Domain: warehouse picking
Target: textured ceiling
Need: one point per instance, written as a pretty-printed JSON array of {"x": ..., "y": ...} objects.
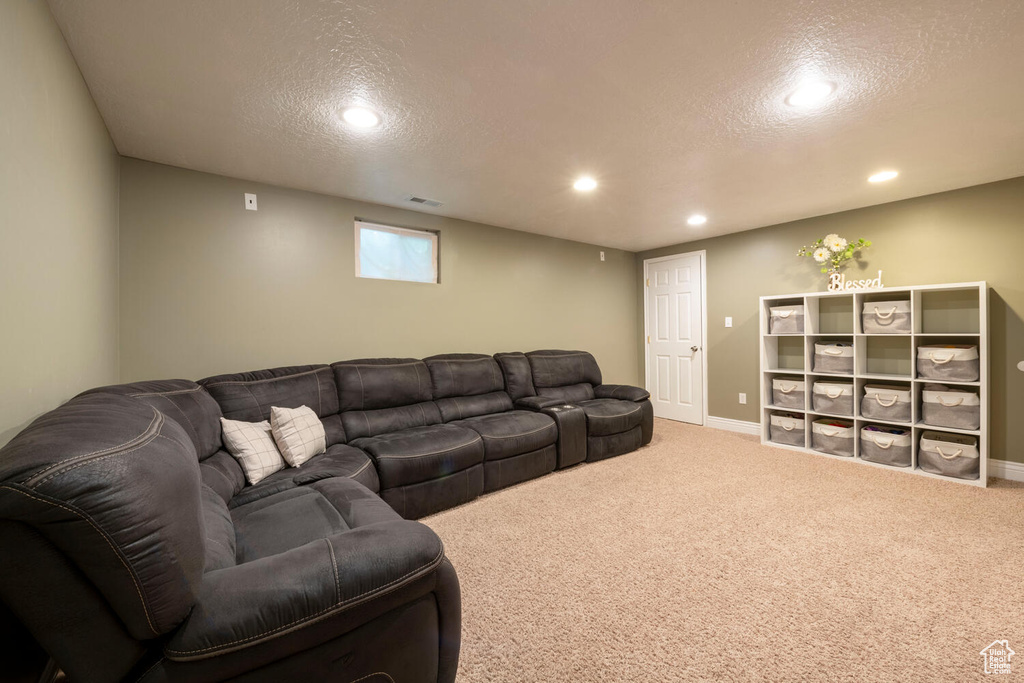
[{"x": 495, "y": 107}]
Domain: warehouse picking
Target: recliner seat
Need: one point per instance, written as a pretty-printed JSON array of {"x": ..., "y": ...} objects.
[
  {"x": 619, "y": 418},
  {"x": 469, "y": 391},
  {"x": 424, "y": 465}
]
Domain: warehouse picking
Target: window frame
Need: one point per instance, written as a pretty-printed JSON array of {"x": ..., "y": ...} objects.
[{"x": 433, "y": 235}]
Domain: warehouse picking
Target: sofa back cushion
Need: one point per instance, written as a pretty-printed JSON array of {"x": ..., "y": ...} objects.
[
  {"x": 113, "y": 484},
  {"x": 183, "y": 401},
  {"x": 563, "y": 368},
  {"x": 249, "y": 396},
  {"x": 380, "y": 395},
  {"x": 515, "y": 369},
  {"x": 466, "y": 385}
]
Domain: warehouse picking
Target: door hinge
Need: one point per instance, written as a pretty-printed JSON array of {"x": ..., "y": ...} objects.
[
  {"x": 648, "y": 339},
  {"x": 648, "y": 282}
]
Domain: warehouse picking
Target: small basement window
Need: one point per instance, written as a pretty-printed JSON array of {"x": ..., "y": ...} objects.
[{"x": 387, "y": 253}]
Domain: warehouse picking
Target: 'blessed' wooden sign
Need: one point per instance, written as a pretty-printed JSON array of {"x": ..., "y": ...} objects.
[{"x": 837, "y": 282}]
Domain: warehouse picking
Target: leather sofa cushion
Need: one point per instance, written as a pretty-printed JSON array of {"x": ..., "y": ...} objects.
[
  {"x": 607, "y": 416},
  {"x": 571, "y": 393},
  {"x": 372, "y": 384},
  {"x": 249, "y": 396},
  {"x": 460, "y": 407},
  {"x": 183, "y": 401},
  {"x": 560, "y": 368},
  {"x": 362, "y": 423},
  {"x": 422, "y": 454},
  {"x": 512, "y": 433},
  {"x": 294, "y": 517},
  {"x": 463, "y": 374},
  {"x": 515, "y": 369},
  {"x": 114, "y": 485},
  {"x": 220, "y": 531}
]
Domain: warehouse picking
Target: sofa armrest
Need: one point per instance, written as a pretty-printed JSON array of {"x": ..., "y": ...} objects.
[
  {"x": 572, "y": 433},
  {"x": 538, "y": 403},
  {"x": 243, "y": 606},
  {"x": 623, "y": 392}
]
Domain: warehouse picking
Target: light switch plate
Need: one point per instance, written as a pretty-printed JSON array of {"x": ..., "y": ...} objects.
[
  {"x": 250, "y": 202},
  {"x": 743, "y": 399},
  {"x": 728, "y": 321}
]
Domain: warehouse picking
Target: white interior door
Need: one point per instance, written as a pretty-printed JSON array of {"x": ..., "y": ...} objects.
[{"x": 674, "y": 302}]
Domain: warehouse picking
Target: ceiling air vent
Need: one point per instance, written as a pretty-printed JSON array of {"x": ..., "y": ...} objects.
[{"x": 433, "y": 203}]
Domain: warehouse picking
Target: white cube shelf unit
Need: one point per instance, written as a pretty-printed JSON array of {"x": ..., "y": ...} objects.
[{"x": 939, "y": 314}]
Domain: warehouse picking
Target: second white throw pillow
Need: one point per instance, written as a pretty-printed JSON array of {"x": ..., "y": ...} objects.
[{"x": 299, "y": 433}]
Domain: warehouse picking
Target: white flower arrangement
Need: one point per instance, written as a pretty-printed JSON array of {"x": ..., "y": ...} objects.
[
  {"x": 835, "y": 243},
  {"x": 832, "y": 251}
]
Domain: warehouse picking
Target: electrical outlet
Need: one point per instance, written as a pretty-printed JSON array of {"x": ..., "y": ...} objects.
[
  {"x": 602, "y": 256},
  {"x": 728, "y": 321},
  {"x": 1020, "y": 366},
  {"x": 250, "y": 202},
  {"x": 743, "y": 399}
]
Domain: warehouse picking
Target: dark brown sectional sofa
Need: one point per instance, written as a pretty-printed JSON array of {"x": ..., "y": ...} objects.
[{"x": 132, "y": 549}]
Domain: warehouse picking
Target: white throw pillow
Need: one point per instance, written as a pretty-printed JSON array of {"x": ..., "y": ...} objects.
[
  {"x": 299, "y": 433},
  {"x": 253, "y": 445}
]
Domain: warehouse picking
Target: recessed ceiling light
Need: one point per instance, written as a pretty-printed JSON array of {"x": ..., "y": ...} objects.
[
  {"x": 360, "y": 117},
  {"x": 585, "y": 184},
  {"x": 811, "y": 94},
  {"x": 882, "y": 176},
  {"x": 697, "y": 219}
]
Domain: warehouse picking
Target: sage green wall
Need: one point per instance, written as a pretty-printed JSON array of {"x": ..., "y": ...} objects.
[
  {"x": 58, "y": 224},
  {"x": 208, "y": 287},
  {"x": 961, "y": 236}
]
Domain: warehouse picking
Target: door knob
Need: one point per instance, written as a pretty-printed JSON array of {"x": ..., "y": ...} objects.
[{"x": 695, "y": 349}]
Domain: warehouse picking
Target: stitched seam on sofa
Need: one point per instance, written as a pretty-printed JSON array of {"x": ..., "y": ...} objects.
[
  {"x": 426, "y": 455},
  {"x": 362, "y": 394},
  {"x": 516, "y": 436},
  {"x": 229, "y": 382},
  {"x": 185, "y": 415},
  {"x": 146, "y": 672},
  {"x": 423, "y": 414},
  {"x": 376, "y": 673},
  {"x": 379, "y": 365},
  {"x": 451, "y": 376},
  {"x": 144, "y": 435},
  {"x": 103, "y": 535},
  {"x": 90, "y": 461},
  {"x": 256, "y": 400},
  {"x": 334, "y": 567},
  {"x": 359, "y": 471},
  {"x": 176, "y": 392},
  {"x": 339, "y": 606},
  {"x": 319, "y": 399},
  {"x": 614, "y": 417}
]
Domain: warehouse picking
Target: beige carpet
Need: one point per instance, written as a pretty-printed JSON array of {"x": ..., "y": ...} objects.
[{"x": 706, "y": 556}]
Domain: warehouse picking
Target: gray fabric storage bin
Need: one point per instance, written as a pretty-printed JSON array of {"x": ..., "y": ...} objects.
[
  {"x": 787, "y": 428},
  {"x": 953, "y": 363},
  {"x": 891, "y": 447},
  {"x": 835, "y": 398},
  {"x": 951, "y": 455},
  {"x": 886, "y": 317},
  {"x": 786, "y": 319},
  {"x": 829, "y": 438},
  {"x": 881, "y": 402},
  {"x": 789, "y": 393},
  {"x": 942, "y": 406},
  {"x": 834, "y": 357}
]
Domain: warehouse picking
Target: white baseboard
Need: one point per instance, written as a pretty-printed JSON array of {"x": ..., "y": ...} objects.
[
  {"x": 731, "y": 425},
  {"x": 1004, "y": 469}
]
